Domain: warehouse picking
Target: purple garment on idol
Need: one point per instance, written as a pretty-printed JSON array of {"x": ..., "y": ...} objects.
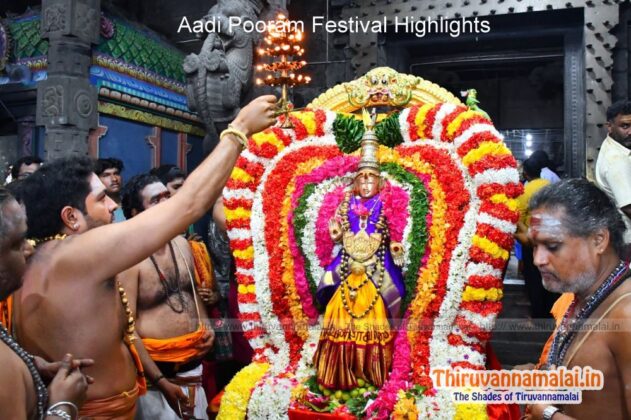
[{"x": 391, "y": 295}]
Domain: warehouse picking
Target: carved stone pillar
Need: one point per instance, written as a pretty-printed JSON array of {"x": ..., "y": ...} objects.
[
  {"x": 66, "y": 102},
  {"x": 26, "y": 128}
]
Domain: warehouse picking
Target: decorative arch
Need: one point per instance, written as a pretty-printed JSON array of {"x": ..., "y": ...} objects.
[{"x": 451, "y": 182}]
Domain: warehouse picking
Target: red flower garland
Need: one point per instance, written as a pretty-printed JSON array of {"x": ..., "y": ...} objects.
[
  {"x": 492, "y": 162},
  {"x": 475, "y": 141},
  {"x": 411, "y": 120},
  {"x": 503, "y": 239},
  {"x": 479, "y": 256},
  {"x": 468, "y": 123},
  {"x": 444, "y": 136}
]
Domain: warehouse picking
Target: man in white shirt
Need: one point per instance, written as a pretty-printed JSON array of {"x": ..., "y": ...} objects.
[
  {"x": 613, "y": 167},
  {"x": 543, "y": 160}
]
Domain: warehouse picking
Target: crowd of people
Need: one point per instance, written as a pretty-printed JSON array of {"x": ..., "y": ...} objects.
[
  {"x": 81, "y": 292},
  {"x": 107, "y": 293}
]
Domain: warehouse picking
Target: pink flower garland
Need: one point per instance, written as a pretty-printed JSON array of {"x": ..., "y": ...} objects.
[
  {"x": 387, "y": 397},
  {"x": 300, "y": 280},
  {"x": 395, "y": 207},
  {"x": 324, "y": 243},
  {"x": 337, "y": 166}
]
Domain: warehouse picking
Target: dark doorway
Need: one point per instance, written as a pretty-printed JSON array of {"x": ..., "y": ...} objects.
[{"x": 525, "y": 74}]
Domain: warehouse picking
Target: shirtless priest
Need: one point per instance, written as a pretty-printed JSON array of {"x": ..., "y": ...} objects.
[
  {"x": 23, "y": 394},
  {"x": 577, "y": 236},
  {"x": 70, "y": 301},
  {"x": 170, "y": 315}
]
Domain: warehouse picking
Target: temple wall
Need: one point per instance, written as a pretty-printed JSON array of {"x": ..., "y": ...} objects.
[{"x": 143, "y": 117}]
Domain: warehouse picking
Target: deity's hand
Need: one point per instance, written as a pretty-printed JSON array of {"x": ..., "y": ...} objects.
[
  {"x": 256, "y": 116},
  {"x": 397, "y": 251},
  {"x": 335, "y": 230}
]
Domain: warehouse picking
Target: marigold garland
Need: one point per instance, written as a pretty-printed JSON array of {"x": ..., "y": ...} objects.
[
  {"x": 471, "y": 411},
  {"x": 234, "y": 402}
]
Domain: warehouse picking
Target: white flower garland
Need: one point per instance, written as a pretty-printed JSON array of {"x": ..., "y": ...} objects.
[{"x": 271, "y": 397}]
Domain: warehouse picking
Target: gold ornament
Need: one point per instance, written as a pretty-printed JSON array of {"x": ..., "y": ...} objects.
[
  {"x": 382, "y": 86},
  {"x": 396, "y": 249},
  {"x": 361, "y": 246},
  {"x": 38, "y": 241}
]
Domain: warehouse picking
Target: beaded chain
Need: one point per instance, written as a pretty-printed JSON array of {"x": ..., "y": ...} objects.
[
  {"x": 353, "y": 290},
  {"x": 40, "y": 387},
  {"x": 345, "y": 270},
  {"x": 567, "y": 329},
  {"x": 58, "y": 237},
  {"x": 169, "y": 289},
  {"x": 131, "y": 322}
]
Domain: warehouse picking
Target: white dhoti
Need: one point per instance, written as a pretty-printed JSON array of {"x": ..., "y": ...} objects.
[{"x": 153, "y": 405}]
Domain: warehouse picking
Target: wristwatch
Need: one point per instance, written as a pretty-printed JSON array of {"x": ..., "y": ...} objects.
[{"x": 549, "y": 411}]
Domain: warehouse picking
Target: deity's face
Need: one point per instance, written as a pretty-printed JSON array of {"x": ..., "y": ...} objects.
[{"x": 366, "y": 184}]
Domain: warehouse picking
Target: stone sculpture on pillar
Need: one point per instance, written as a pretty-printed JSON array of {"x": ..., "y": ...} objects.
[
  {"x": 66, "y": 101},
  {"x": 219, "y": 77}
]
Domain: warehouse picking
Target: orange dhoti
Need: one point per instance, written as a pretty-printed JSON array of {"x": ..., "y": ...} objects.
[
  {"x": 351, "y": 348},
  {"x": 180, "y": 349},
  {"x": 121, "y": 406},
  {"x": 118, "y": 407}
]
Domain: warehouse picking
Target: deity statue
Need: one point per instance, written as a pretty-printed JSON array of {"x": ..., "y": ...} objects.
[{"x": 363, "y": 286}]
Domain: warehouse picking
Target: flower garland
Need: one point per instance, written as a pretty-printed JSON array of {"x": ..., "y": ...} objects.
[
  {"x": 234, "y": 401},
  {"x": 316, "y": 205},
  {"x": 271, "y": 398},
  {"x": 419, "y": 211},
  {"x": 300, "y": 305},
  {"x": 305, "y": 186},
  {"x": 284, "y": 189},
  {"x": 399, "y": 379}
]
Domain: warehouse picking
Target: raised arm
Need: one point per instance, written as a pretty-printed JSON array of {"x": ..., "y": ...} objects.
[{"x": 103, "y": 252}]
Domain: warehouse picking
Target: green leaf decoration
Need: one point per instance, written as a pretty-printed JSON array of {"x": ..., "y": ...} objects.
[
  {"x": 388, "y": 131},
  {"x": 348, "y": 132}
]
